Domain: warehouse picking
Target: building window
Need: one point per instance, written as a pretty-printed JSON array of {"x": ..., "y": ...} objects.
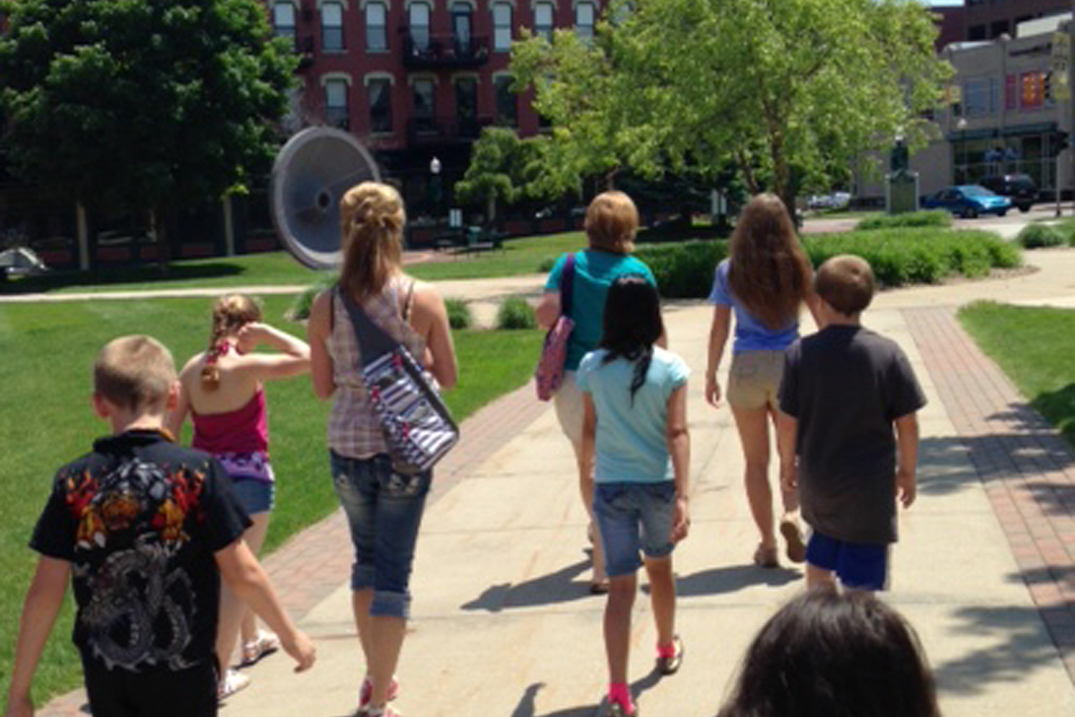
[
  {"x": 543, "y": 14},
  {"x": 1032, "y": 91},
  {"x": 380, "y": 97},
  {"x": 1011, "y": 92},
  {"x": 980, "y": 97},
  {"x": 424, "y": 109},
  {"x": 419, "y": 25},
  {"x": 507, "y": 114},
  {"x": 584, "y": 20},
  {"x": 502, "y": 27},
  {"x": 466, "y": 107},
  {"x": 461, "y": 28},
  {"x": 336, "y": 104},
  {"x": 332, "y": 27},
  {"x": 376, "y": 27},
  {"x": 283, "y": 20},
  {"x": 976, "y": 32}
]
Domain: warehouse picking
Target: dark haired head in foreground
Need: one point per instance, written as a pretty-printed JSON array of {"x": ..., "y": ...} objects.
[{"x": 827, "y": 654}]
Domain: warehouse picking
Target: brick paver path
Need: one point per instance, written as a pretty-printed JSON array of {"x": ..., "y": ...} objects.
[
  {"x": 1027, "y": 468},
  {"x": 317, "y": 561}
]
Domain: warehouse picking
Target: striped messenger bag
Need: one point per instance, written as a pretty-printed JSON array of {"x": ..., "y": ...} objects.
[{"x": 418, "y": 427}]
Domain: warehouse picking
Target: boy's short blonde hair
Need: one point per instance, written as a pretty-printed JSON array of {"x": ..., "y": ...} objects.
[
  {"x": 134, "y": 372},
  {"x": 611, "y": 223},
  {"x": 845, "y": 283}
]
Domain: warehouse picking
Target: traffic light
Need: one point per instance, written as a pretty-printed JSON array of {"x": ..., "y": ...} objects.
[{"x": 1059, "y": 142}]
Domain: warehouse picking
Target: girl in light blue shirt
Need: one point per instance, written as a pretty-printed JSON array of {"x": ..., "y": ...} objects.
[{"x": 635, "y": 420}]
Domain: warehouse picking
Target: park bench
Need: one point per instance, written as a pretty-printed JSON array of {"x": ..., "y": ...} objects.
[{"x": 469, "y": 240}]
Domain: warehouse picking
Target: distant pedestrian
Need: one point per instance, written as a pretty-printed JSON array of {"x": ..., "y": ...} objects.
[
  {"x": 848, "y": 432},
  {"x": 223, "y": 390},
  {"x": 384, "y": 507},
  {"x": 635, "y": 421},
  {"x": 764, "y": 282},
  {"x": 826, "y": 654},
  {"x": 144, "y": 530},
  {"x": 611, "y": 224}
]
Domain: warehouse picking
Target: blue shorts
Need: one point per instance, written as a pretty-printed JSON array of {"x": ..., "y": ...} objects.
[
  {"x": 256, "y": 496},
  {"x": 384, "y": 510},
  {"x": 859, "y": 566},
  {"x": 634, "y": 518}
]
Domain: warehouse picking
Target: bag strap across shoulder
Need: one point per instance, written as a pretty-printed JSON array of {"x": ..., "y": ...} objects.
[
  {"x": 567, "y": 284},
  {"x": 374, "y": 341}
]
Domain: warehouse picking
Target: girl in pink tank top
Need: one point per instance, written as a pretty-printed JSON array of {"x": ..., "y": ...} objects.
[{"x": 222, "y": 389}]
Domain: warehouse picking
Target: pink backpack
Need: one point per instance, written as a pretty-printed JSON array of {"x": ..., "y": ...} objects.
[{"x": 550, "y": 369}]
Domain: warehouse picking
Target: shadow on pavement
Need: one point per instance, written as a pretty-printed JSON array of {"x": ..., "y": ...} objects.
[
  {"x": 1019, "y": 643},
  {"x": 527, "y": 706},
  {"x": 557, "y": 587},
  {"x": 717, "y": 581}
]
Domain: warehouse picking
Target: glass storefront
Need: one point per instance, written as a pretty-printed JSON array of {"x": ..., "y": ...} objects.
[{"x": 977, "y": 158}]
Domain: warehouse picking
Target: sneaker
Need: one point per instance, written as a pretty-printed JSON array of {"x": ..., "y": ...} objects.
[
  {"x": 615, "y": 709},
  {"x": 264, "y": 643},
  {"x": 670, "y": 665},
  {"x": 233, "y": 682},
  {"x": 386, "y": 712},
  {"x": 789, "y": 528},
  {"x": 366, "y": 692}
]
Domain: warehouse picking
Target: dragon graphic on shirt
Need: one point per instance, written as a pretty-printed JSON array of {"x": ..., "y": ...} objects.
[{"x": 140, "y": 606}]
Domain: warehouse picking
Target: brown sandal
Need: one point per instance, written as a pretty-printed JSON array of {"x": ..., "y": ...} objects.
[
  {"x": 766, "y": 557},
  {"x": 794, "y": 535}
]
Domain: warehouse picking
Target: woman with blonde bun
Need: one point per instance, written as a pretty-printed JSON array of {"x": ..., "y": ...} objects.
[{"x": 384, "y": 508}]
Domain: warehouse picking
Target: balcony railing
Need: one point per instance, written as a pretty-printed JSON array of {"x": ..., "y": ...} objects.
[
  {"x": 426, "y": 131},
  {"x": 444, "y": 51}
]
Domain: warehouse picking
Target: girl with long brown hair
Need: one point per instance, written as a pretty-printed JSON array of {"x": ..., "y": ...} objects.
[
  {"x": 222, "y": 389},
  {"x": 764, "y": 282},
  {"x": 384, "y": 508}
]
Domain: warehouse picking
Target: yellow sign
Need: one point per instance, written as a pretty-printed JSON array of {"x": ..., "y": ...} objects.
[{"x": 1061, "y": 55}]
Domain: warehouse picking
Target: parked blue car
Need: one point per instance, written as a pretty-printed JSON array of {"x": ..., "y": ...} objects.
[{"x": 968, "y": 201}]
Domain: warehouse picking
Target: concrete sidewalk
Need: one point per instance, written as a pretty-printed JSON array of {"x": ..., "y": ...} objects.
[{"x": 503, "y": 624}]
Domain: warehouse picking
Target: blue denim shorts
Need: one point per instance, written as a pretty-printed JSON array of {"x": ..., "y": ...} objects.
[
  {"x": 256, "y": 496},
  {"x": 384, "y": 510},
  {"x": 634, "y": 518},
  {"x": 859, "y": 566}
]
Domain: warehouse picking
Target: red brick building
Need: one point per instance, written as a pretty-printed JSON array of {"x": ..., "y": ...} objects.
[
  {"x": 988, "y": 19},
  {"x": 418, "y": 79}
]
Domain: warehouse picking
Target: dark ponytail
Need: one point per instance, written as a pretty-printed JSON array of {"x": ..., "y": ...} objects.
[{"x": 632, "y": 324}]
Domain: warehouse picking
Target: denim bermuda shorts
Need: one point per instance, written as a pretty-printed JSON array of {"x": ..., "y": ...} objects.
[
  {"x": 633, "y": 518},
  {"x": 384, "y": 510}
]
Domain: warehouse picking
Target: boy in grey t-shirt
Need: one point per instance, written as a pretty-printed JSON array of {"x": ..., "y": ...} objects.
[{"x": 843, "y": 391}]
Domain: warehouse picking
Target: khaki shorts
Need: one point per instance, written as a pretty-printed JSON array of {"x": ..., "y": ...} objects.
[
  {"x": 569, "y": 410},
  {"x": 754, "y": 379}
]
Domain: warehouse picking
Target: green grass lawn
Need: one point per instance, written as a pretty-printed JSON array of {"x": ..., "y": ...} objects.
[
  {"x": 46, "y": 420},
  {"x": 520, "y": 256},
  {"x": 1036, "y": 349}
]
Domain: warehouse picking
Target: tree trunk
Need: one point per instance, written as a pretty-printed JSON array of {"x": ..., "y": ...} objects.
[
  {"x": 164, "y": 249},
  {"x": 782, "y": 185},
  {"x": 610, "y": 178},
  {"x": 743, "y": 160},
  {"x": 490, "y": 220}
]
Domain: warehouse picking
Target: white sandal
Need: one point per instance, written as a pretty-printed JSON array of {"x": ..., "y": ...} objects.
[
  {"x": 264, "y": 643},
  {"x": 233, "y": 682}
]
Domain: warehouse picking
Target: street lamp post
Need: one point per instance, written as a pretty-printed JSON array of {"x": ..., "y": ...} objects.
[
  {"x": 961, "y": 125},
  {"x": 435, "y": 186}
]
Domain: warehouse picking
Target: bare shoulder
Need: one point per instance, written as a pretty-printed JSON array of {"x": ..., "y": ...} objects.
[
  {"x": 192, "y": 367},
  {"x": 426, "y": 295}
]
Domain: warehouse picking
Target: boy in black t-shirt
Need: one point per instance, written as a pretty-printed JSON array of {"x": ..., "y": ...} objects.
[
  {"x": 844, "y": 388},
  {"x": 144, "y": 529}
]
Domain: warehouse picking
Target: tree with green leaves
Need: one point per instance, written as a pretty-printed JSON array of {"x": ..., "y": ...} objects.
[
  {"x": 142, "y": 106},
  {"x": 504, "y": 168},
  {"x": 779, "y": 87}
]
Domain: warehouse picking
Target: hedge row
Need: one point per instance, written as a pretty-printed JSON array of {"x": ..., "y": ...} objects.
[
  {"x": 685, "y": 270},
  {"x": 902, "y": 221},
  {"x": 1036, "y": 236},
  {"x": 898, "y": 257}
]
